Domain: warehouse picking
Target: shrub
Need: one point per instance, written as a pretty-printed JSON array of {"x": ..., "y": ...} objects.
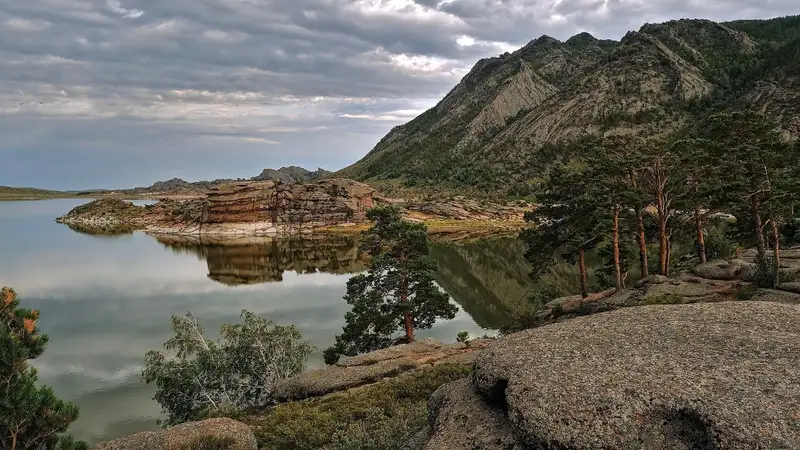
[
  {"x": 462, "y": 336},
  {"x": 210, "y": 443},
  {"x": 379, "y": 417},
  {"x": 718, "y": 245},
  {"x": 31, "y": 416},
  {"x": 764, "y": 273},
  {"x": 236, "y": 372}
]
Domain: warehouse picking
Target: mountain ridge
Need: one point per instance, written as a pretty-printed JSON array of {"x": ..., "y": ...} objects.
[{"x": 500, "y": 128}]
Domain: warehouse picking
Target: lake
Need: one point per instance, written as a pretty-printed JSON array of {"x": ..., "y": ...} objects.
[{"x": 105, "y": 300}]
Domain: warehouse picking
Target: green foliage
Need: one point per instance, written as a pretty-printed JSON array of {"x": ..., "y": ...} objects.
[
  {"x": 397, "y": 292},
  {"x": 718, "y": 244},
  {"x": 31, "y": 416},
  {"x": 764, "y": 273},
  {"x": 238, "y": 371},
  {"x": 629, "y": 255},
  {"x": 379, "y": 417},
  {"x": 210, "y": 443},
  {"x": 463, "y": 336}
]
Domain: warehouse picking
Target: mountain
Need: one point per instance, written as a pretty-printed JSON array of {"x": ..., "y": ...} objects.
[
  {"x": 290, "y": 175},
  {"x": 512, "y": 116}
]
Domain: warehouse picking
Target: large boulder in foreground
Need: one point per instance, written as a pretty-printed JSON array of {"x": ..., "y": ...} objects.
[
  {"x": 189, "y": 436},
  {"x": 695, "y": 376}
]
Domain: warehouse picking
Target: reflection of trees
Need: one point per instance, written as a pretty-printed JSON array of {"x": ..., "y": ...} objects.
[
  {"x": 252, "y": 260},
  {"x": 489, "y": 277}
]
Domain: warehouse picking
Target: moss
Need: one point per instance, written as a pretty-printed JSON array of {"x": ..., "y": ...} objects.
[{"x": 381, "y": 416}]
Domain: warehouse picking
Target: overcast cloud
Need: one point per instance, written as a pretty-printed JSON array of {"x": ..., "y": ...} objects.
[{"x": 117, "y": 93}]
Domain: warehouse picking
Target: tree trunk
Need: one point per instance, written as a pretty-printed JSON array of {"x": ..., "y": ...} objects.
[
  {"x": 615, "y": 243},
  {"x": 642, "y": 244},
  {"x": 776, "y": 246},
  {"x": 701, "y": 241},
  {"x": 663, "y": 251},
  {"x": 582, "y": 270},
  {"x": 761, "y": 248},
  {"x": 663, "y": 257},
  {"x": 640, "y": 232},
  {"x": 669, "y": 254},
  {"x": 409, "y": 326}
]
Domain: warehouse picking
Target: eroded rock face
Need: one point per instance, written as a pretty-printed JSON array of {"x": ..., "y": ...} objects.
[
  {"x": 699, "y": 376},
  {"x": 188, "y": 436}
]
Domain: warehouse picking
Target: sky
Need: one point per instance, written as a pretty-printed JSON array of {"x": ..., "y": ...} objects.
[{"x": 122, "y": 93}]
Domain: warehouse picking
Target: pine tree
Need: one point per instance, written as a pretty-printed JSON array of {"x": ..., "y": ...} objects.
[
  {"x": 398, "y": 292},
  {"x": 31, "y": 416},
  {"x": 759, "y": 170}
]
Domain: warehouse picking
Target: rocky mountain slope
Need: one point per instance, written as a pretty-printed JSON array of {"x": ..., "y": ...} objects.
[{"x": 511, "y": 116}]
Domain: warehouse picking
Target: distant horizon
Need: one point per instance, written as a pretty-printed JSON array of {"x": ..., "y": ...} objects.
[{"x": 117, "y": 188}]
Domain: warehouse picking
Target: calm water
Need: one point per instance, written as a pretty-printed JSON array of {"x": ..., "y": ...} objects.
[{"x": 106, "y": 300}]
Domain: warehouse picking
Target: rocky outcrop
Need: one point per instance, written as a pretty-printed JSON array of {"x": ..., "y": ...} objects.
[
  {"x": 701, "y": 376},
  {"x": 240, "y": 208},
  {"x": 736, "y": 269},
  {"x": 189, "y": 436},
  {"x": 372, "y": 367}
]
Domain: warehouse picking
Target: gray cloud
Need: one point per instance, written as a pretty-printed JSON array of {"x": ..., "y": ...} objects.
[{"x": 137, "y": 90}]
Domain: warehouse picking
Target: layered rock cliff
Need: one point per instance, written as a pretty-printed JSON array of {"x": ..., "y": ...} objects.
[{"x": 240, "y": 208}]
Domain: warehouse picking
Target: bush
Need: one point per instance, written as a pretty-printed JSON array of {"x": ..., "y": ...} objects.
[
  {"x": 31, "y": 416},
  {"x": 210, "y": 443},
  {"x": 462, "y": 336},
  {"x": 764, "y": 273},
  {"x": 236, "y": 372},
  {"x": 379, "y": 417},
  {"x": 718, "y": 245}
]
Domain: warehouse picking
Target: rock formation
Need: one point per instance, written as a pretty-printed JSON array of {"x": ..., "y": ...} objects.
[
  {"x": 240, "y": 208},
  {"x": 189, "y": 436},
  {"x": 701, "y": 376}
]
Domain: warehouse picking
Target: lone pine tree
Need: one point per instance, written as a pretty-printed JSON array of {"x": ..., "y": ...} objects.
[{"x": 398, "y": 292}]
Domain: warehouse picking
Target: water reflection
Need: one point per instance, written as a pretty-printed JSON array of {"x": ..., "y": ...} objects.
[{"x": 251, "y": 260}]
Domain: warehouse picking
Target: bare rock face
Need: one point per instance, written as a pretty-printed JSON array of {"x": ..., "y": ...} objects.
[
  {"x": 725, "y": 270},
  {"x": 374, "y": 366},
  {"x": 702, "y": 376},
  {"x": 190, "y": 435}
]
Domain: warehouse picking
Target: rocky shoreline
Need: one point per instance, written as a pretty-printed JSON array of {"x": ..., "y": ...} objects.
[{"x": 271, "y": 208}]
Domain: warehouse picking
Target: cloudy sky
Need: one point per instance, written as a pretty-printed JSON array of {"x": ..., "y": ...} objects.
[{"x": 119, "y": 93}]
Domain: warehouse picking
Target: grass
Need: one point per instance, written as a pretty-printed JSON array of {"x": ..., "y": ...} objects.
[
  {"x": 378, "y": 417},
  {"x": 25, "y": 193}
]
